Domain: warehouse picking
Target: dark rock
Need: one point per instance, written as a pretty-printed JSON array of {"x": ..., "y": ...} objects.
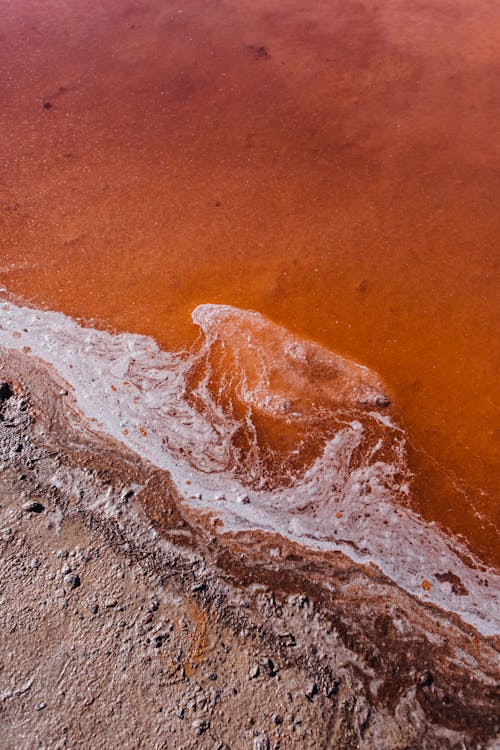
[
  {"x": 425, "y": 679},
  {"x": 269, "y": 667},
  {"x": 72, "y": 580},
  {"x": 332, "y": 688},
  {"x": 287, "y": 639},
  {"x": 5, "y": 392},
  {"x": 33, "y": 507},
  {"x": 311, "y": 691},
  {"x": 199, "y": 586}
]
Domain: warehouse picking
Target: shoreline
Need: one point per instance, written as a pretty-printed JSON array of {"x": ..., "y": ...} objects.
[
  {"x": 365, "y": 643},
  {"x": 150, "y": 415}
]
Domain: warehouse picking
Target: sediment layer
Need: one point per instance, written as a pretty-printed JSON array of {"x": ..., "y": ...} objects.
[{"x": 409, "y": 671}]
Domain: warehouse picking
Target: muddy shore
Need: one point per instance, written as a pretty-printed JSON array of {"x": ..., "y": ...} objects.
[{"x": 127, "y": 619}]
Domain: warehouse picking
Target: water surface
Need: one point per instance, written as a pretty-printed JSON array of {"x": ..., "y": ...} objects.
[{"x": 332, "y": 165}]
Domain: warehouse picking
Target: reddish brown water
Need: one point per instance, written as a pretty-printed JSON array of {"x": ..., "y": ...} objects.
[{"x": 334, "y": 165}]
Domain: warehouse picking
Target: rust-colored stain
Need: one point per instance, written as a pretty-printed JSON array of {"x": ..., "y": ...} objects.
[
  {"x": 332, "y": 165},
  {"x": 202, "y": 640}
]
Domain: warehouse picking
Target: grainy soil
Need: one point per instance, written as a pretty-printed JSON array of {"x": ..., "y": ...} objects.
[{"x": 114, "y": 636}]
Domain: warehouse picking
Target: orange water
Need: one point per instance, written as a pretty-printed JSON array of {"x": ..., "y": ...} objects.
[{"x": 334, "y": 165}]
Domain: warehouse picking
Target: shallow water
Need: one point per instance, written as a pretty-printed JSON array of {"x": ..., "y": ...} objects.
[
  {"x": 333, "y": 166},
  {"x": 235, "y": 432}
]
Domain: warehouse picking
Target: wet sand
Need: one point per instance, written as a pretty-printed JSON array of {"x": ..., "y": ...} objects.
[{"x": 341, "y": 654}]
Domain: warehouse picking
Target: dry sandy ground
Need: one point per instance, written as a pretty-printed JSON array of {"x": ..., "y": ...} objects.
[
  {"x": 114, "y": 637},
  {"x": 119, "y": 660}
]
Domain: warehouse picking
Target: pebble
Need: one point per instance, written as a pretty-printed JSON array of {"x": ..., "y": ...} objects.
[
  {"x": 254, "y": 671},
  {"x": 33, "y": 507},
  {"x": 243, "y": 499},
  {"x": 180, "y": 713},
  {"x": 311, "y": 691},
  {"x": 278, "y": 719},
  {"x": 72, "y": 580},
  {"x": 269, "y": 667},
  {"x": 261, "y": 742},
  {"x": 40, "y": 706},
  {"x": 199, "y": 587},
  {"x": 200, "y": 726},
  {"x": 5, "y": 392}
]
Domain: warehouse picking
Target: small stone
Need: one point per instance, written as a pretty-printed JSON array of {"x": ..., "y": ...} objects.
[
  {"x": 110, "y": 603},
  {"x": 72, "y": 580},
  {"x": 332, "y": 688},
  {"x": 65, "y": 569},
  {"x": 269, "y": 667},
  {"x": 261, "y": 742},
  {"x": 288, "y": 639},
  {"x": 159, "y": 640},
  {"x": 62, "y": 553},
  {"x": 278, "y": 719},
  {"x": 5, "y": 392},
  {"x": 40, "y": 706},
  {"x": 200, "y": 726},
  {"x": 199, "y": 586},
  {"x": 33, "y": 507},
  {"x": 425, "y": 679},
  {"x": 254, "y": 671},
  {"x": 244, "y": 499},
  {"x": 180, "y": 713},
  {"x": 311, "y": 691}
]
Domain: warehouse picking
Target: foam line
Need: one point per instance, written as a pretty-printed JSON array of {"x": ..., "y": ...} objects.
[{"x": 268, "y": 432}]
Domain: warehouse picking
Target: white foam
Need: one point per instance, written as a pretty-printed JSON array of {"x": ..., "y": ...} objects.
[{"x": 197, "y": 415}]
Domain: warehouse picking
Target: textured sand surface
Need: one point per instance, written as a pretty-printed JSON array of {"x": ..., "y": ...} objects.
[{"x": 114, "y": 633}]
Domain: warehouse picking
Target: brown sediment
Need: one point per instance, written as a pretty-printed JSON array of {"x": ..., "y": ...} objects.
[{"x": 401, "y": 654}]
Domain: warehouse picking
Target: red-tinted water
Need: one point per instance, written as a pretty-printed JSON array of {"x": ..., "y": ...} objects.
[{"x": 334, "y": 165}]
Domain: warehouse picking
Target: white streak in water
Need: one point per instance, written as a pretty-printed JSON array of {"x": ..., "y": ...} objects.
[{"x": 147, "y": 399}]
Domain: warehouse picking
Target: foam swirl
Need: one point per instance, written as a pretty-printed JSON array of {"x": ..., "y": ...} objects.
[{"x": 252, "y": 412}]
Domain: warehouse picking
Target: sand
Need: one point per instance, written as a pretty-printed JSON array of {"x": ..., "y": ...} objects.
[{"x": 124, "y": 623}]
